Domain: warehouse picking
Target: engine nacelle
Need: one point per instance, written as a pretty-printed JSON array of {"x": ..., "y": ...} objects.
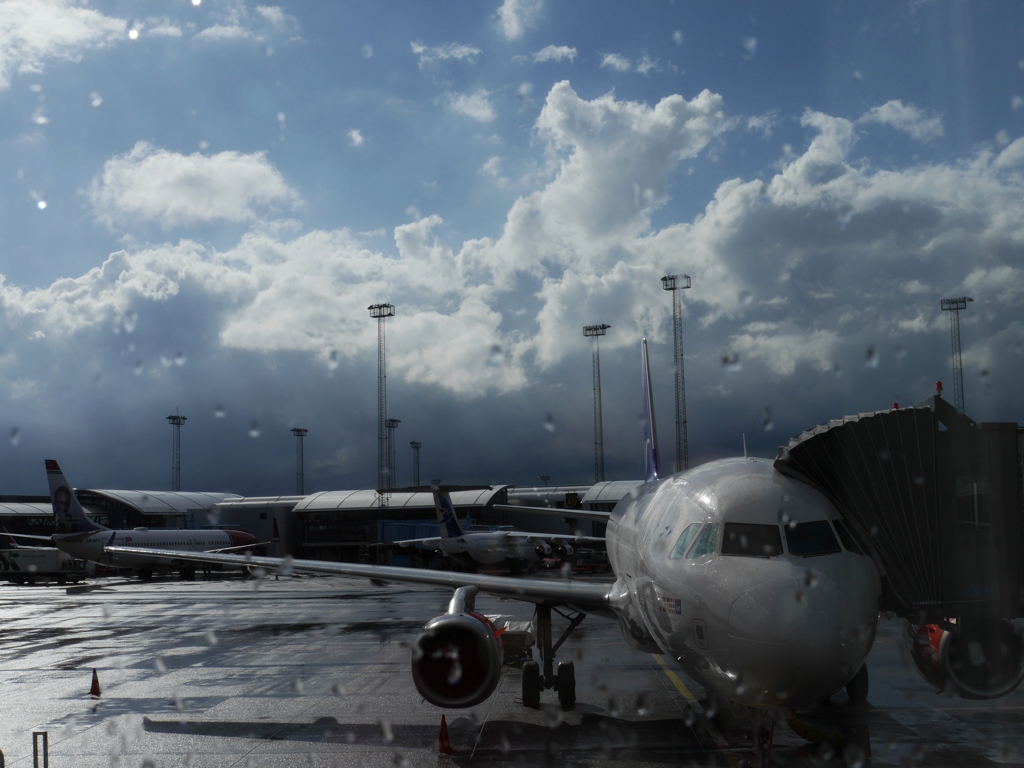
[
  {"x": 564, "y": 548},
  {"x": 984, "y": 660},
  {"x": 543, "y": 549},
  {"x": 456, "y": 660}
]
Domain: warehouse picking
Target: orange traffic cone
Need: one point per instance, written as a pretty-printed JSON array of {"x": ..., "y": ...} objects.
[
  {"x": 94, "y": 691},
  {"x": 444, "y": 745}
]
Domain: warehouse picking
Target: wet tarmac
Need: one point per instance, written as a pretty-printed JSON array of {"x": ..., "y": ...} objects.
[{"x": 315, "y": 672}]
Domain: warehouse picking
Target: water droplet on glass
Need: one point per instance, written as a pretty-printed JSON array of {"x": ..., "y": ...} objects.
[
  {"x": 210, "y": 637},
  {"x": 254, "y": 429},
  {"x": 826, "y": 751},
  {"x": 338, "y": 689},
  {"x": 15, "y": 436},
  {"x": 95, "y": 99},
  {"x": 287, "y": 566},
  {"x": 746, "y": 297},
  {"x": 711, "y": 710},
  {"x": 871, "y": 358},
  {"x": 783, "y": 517},
  {"x": 918, "y": 479},
  {"x": 332, "y": 360},
  {"x": 642, "y": 708},
  {"x": 810, "y": 579},
  {"x": 219, "y": 412},
  {"x": 766, "y": 420},
  {"x": 985, "y": 377},
  {"x": 179, "y": 703},
  {"x": 166, "y": 362},
  {"x": 385, "y": 729},
  {"x": 497, "y": 357},
  {"x": 613, "y": 707},
  {"x": 874, "y": 530},
  {"x": 853, "y": 755},
  {"x": 180, "y": 359},
  {"x": 139, "y": 367},
  {"x": 884, "y": 454},
  {"x": 159, "y": 666},
  {"x": 401, "y": 761},
  {"x": 731, "y": 362},
  {"x": 689, "y": 718},
  {"x": 800, "y": 596},
  {"x": 549, "y": 423},
  {"x": 566, "y": 571},
  {"x": 975, "y": 653},
  {"x": 298, "y": 686},
  {"x": 901, "y": 352}
]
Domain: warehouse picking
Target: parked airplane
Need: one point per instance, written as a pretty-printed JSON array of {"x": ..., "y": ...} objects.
[
  {"x": 731, "y": 569},
  {"x": 20, "y": 563},
  {"x": 506, "y": 548},
  {"x": 80, "y": 537}
]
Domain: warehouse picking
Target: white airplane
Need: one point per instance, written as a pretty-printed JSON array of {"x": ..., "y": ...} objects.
[
  {"x": 731, "y": 569},
  {"x": 80, "y": 537},
  {"x": 507, "y": 548}
]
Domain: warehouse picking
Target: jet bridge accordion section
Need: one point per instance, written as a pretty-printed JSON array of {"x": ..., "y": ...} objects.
[{"x": 935, "y": 498}]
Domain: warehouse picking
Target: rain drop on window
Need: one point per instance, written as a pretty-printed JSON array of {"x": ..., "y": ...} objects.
[
  {"x": 746, "y": 297},
  {"x": 871, "y": 357},
  {"x": 767, "y": 424},
  {"x": 549, "y": 423},
  {"x": 254, "y": 429},
  {"x": 138, "y": 367},
  {"x": 180, "y": 359},
  {"x": 15, "y": 436},
  {"x": 731, "y": 362},
  {"x": 332, "y": 360},
  {"x": 95, "y": 99},
  {"x": 219, "y": 412}
]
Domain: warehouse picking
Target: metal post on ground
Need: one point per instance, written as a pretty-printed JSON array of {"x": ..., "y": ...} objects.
[{"x": 44, "y": 752}]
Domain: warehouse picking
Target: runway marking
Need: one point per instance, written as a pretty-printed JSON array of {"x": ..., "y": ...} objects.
[{"x": 716, "y": 735}]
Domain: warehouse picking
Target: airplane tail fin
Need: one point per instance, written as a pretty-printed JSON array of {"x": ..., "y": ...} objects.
[
  {"x": 6, "y": 541},
  {"x": 446, "y": 520},
  {"x": 650, "y": 431},
  {"x": 68, "y": 515}
]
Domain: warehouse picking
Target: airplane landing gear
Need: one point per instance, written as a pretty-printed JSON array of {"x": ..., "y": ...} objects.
[{"x": 564, "y": 682}]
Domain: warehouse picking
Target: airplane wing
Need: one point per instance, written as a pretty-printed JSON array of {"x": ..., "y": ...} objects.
[
  {"x": 580, "y": 514},
  {"x": 588, "y": 597},
  {"x": 29, "y": 537},
  {"x": 578, "y": 541},
  {"x": 431, "y": 543}
]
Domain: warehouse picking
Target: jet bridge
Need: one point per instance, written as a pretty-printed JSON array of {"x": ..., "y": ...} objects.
[{"x": 935, "y": 498}]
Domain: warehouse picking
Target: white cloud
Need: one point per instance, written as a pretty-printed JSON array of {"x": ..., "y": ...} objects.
[
  {"x": 615, "y": 61},
  {"x": 171, "y": 189},
  {"x": 647, "y": 64},
  {"x": 162, "y": 27},
  {"x": 492, "y": 170},
  {"x": 236, "y": 22},
  {"x": 906, "y": 118},
  {"x": 749, "y": 47},
  {"x": 476, "y": 105},
  {"x": 33, "y": 32},
  {"x": 517, "y": 16},
  {"x": 431, "y": 54},
  {"x": 555, "y": 53},
  {"x": 355, "y": 138},
  {"x": 222, "y": 32},
  {"x": 781, "y": 350}
]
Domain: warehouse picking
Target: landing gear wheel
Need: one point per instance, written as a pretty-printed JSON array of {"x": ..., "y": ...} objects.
[
  {"x": 565, "y": 682},
  {"x": 531, "y": 684},
  {"x": 145, "y": 574},
  {"x": 857, "y": 688}
]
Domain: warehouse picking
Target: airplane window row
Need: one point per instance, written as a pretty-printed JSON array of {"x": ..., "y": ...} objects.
[{"x": 755, "y": 540}]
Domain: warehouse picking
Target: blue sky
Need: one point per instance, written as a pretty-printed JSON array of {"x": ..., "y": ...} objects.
[{"x": 201, "y": 199}]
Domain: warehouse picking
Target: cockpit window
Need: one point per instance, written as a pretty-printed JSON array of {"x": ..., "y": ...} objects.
[
  {"x": 751, "y": 540},
  {"x": 809, "y": 539},
  {"x": 849, "y": 543},
  {"x": 706, "y": 542},
  {"x": 684, "y": 541}
]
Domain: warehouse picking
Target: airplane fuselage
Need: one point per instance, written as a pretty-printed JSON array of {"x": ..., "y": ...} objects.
[
  {"x": 489, "y": 548},
  {"x": 710, "y": 572},
  {"x": 89, "y": 546}
]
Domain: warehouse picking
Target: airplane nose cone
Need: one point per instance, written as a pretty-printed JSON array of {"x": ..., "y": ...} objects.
[{"x": 798, "y": 640}]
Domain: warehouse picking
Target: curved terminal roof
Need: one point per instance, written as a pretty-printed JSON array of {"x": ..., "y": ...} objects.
[
  {"x": 163, "y": 502},
  {"x": 360, "y": 500},
  {"x": 32, "y": 508},
  {"x": 260, "y": 502},
  {"x": 610, "y": 492}
]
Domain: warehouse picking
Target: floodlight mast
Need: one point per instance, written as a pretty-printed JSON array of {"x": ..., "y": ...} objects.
[
  {"x": 416, "y": 445},
  {"x": 596, "y": 331},
  {"x": 381, "y": 312},
  {"x": 392, "y": 426},
  {"x": 176, "y": 421},
  {"x": 669, "y": 283},
  {"x": 953, "y": 306},
  {"x": 300, "y": 470}
]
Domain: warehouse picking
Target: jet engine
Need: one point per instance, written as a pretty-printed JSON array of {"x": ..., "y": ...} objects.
[
  {"x": 983, "y": 660},
  {"x": 543, "y": 549},
  {"x": 456, "y": 660},
  {"x": 564, "y": 549}
]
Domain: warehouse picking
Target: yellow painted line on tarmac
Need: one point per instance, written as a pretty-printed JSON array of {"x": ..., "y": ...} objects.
[{"x": 716, "y": 735}]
